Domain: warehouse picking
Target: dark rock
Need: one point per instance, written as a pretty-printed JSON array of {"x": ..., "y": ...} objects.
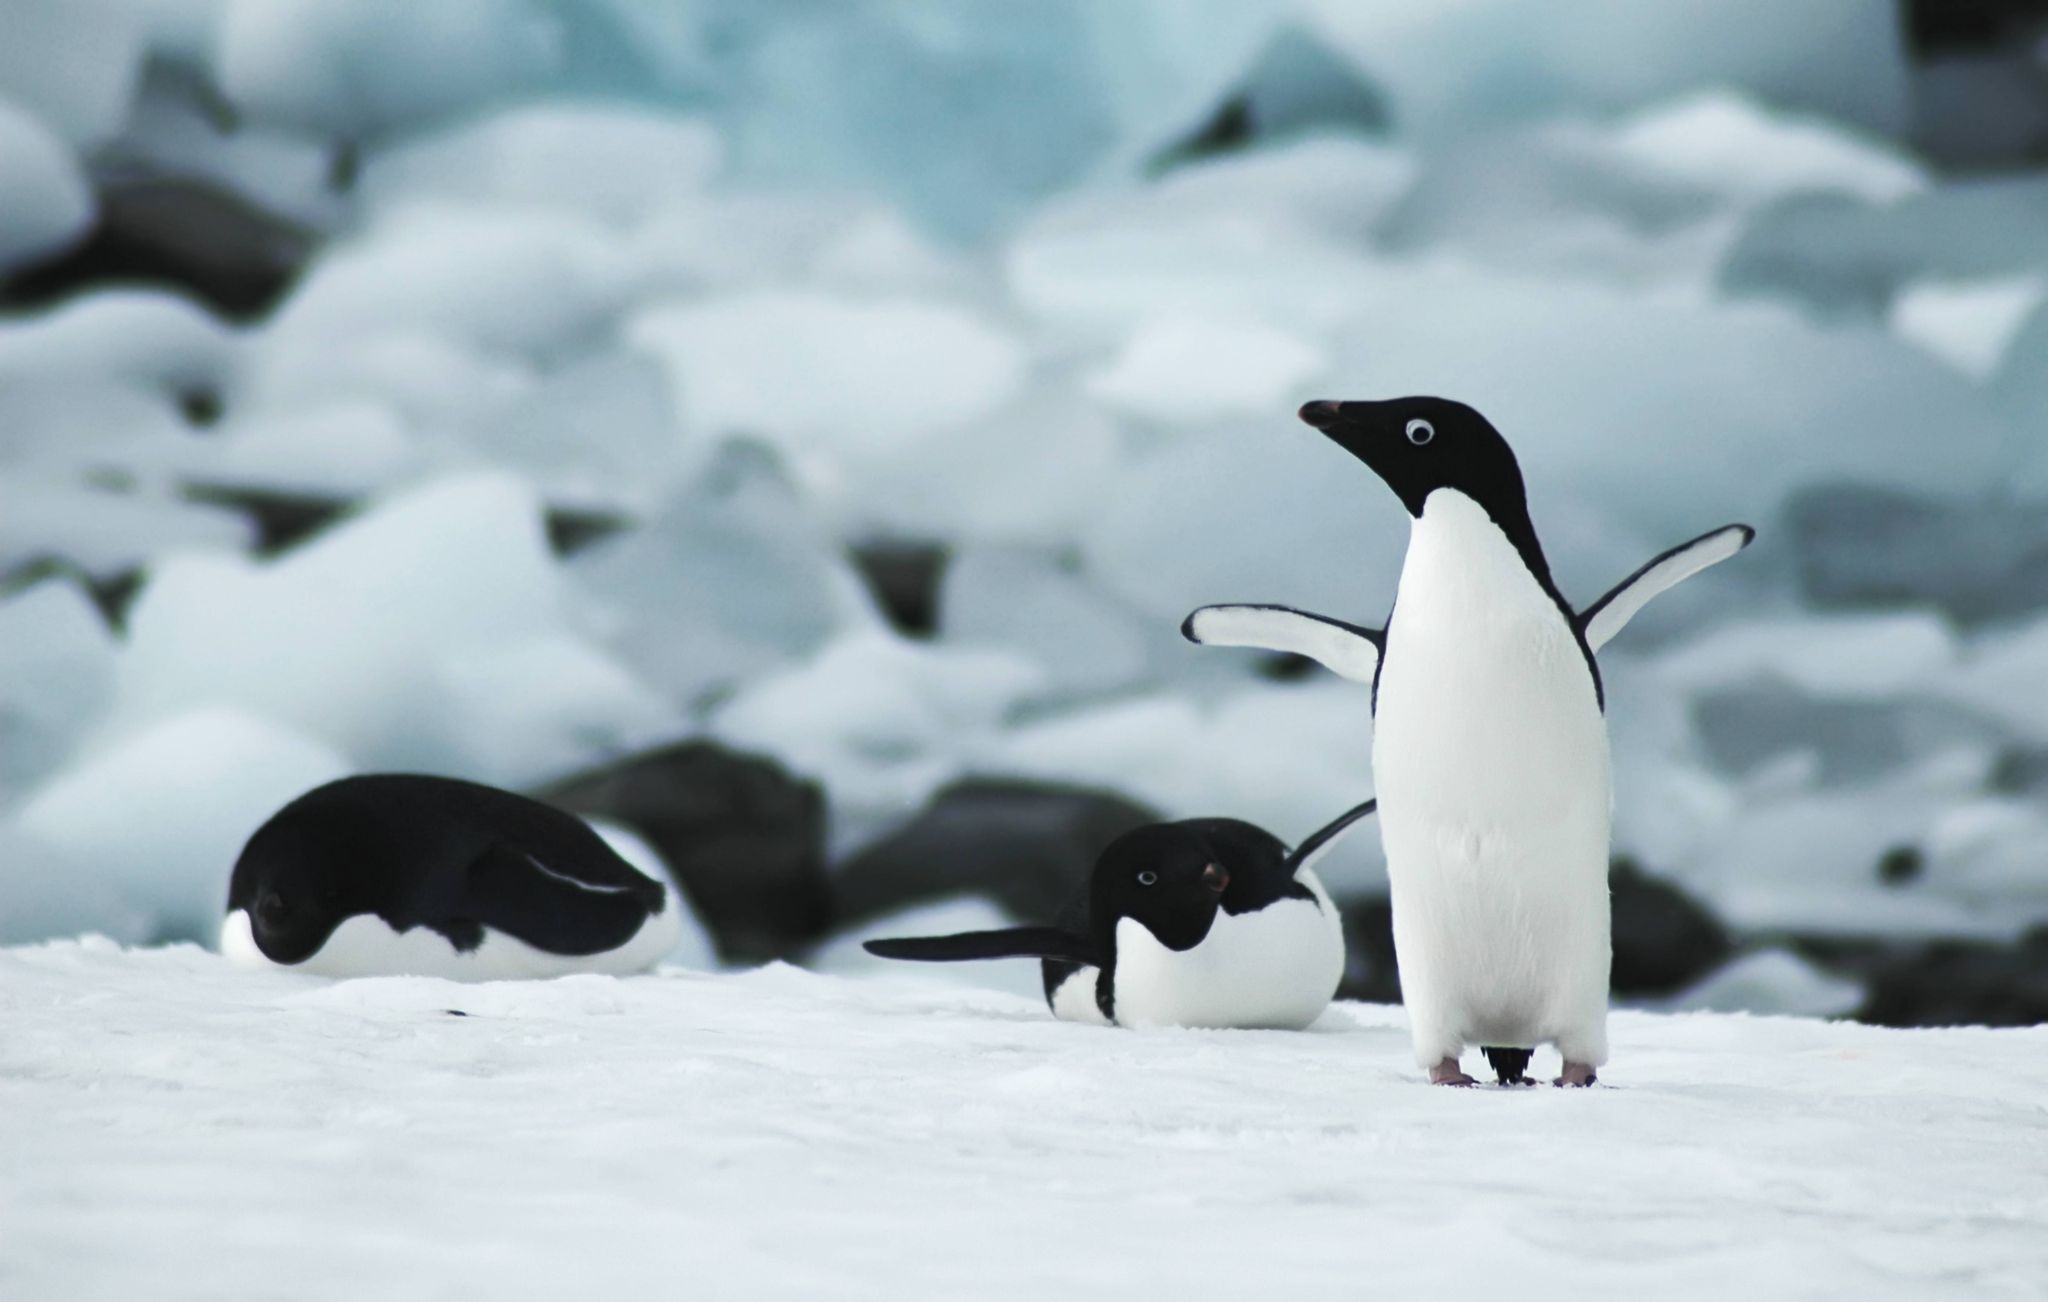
[
  {"x": 904, "y": 576},
  {"x": 1959, "y": 983},
  {"x": 178, "y": 232},
  {"x": 1901, "y": 865},
  {"x": 1664, "y": 940},
  {"x": 1860, "y": 546},
  {"x": 1370, "y": 972},
  {"x": 1295, "y": 86},
  {"x": 1028, "y": 845},
  {"x": 744, "y": 839}
]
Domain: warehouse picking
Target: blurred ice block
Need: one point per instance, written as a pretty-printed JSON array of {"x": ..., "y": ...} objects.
[
  {"x": 161, "y": 814},
  {"x": 730, "y": 579},
  {"x": 56, "y": 676},
  {"x": 45, "y": 205}
]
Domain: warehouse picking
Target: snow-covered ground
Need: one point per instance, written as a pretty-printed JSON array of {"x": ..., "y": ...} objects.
[{"x": 174, "y": 1129}]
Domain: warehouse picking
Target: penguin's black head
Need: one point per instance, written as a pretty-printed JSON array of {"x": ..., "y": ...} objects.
[
  {"x": 1167, "y": 877},
  {"x": 1419, "y": 445},
  {"x": 295, "y": 894}
]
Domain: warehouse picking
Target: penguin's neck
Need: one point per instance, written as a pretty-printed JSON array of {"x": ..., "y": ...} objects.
[{"x": 1461, "y": 553}]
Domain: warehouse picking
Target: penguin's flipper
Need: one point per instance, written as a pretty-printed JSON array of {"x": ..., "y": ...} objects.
[
  {"x": 1344, "y": 649},
  {"x": 1609, "y": 615},
  {"x": 509, "y": 890},
  {"x": 1011, "y": 942},
  {"x": 1324, "y": 837}
]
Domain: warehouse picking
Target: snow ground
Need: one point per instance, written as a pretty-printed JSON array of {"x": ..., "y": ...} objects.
[{"x": 172, "y": 1128}]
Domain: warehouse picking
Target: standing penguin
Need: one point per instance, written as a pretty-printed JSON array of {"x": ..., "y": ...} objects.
[
  {"x": 1489, "y": 741},
  {"x": 1209, "y": 922}
]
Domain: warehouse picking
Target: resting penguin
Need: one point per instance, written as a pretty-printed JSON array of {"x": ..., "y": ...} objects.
[
  {"x": 390, "y": 874},
  {"x": 1489, "y": 741},
  {"x": 1209, "y": 922}
]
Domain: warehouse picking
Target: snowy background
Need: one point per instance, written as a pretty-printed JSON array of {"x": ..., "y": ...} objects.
[{"x": 794, "y": 431}]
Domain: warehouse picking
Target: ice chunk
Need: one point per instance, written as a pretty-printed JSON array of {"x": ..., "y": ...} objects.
[
  {"x": 730, "y": 579},
  {"x": 352, "y": 69},
  {"x": 82, "y": 428},
  {"x": 161, "y": 814},
  {"x": 693, "y": 947},
  {"x": 1730, "y": 145},
  {"x": 104, "y": 532},
  {"x": 613, "y": 162},
  {"x": 337, "y": 451},
  {"x": 1088, "y": 641},
  {"x": 601, "y": 430},
  {"x": 881, "y": 721},
  {"x": 517, "y": 713},
  {"x": 1480, "y": 63},
  {"x": 524, "y": 283},
  {"x": 73, "y": 64},
  {"x": 2001, "y": 676},
  {"x": 1267, "y": 235},
  {"x": 142, "y": 337},
  {"x": 56, "y": 676},
  {"x": 834, "y": 379},
  {"x": 1968, "y": 324},
  {"x": 1182, "y": 370},
  {"x": 45, "y": 207},
  {"x": 843, "y": 955},
  {"x": 44, "y": 895},
  {"x": 1287, "y": 758},
  {"x": 342, "y": 637},
  {"x": 1035, "y": 472},
  {"x": 1231, "y": 514},
  {"x": 1775, "y": 982},
  {"x": 415, "y": 377},
  {"x": 1835, "y": 655}
]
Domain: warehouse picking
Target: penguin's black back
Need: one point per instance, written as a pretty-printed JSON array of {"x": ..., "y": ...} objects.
[{"x": 454, "y": 856}]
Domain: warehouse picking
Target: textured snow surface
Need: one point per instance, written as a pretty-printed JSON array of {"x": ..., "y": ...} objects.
[{"x": 176, "y": 1129}]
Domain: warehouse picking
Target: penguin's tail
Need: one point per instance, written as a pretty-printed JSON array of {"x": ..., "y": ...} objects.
[
  {"x": 1011, "y": 942},
  {"x": 1326, "y": 836},
  {"x": 1510, "y": 1066}
]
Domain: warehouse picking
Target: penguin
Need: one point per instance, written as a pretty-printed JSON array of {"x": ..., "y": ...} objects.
[
  {"x": 1209, "y": 922},
  {"x": 1489, "y": 747},
  {"x": 402, "y": 874}
]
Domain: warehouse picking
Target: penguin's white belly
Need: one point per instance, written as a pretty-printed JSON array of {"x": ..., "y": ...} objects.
[
  {"x": 1276, "y": 968},
  {"x": 365, "y": 945},
  {"x": 1073, "y": 1000},
  {"x": 1491, "y": 766}
]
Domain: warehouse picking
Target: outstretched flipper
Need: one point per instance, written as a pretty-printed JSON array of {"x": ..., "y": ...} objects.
[
  {"x": 1344, "y": 649},
  {"x": 1325, "y": 837},
  {"x": 1011, "y": 942},
  {"x": 1609, "y": 615}
]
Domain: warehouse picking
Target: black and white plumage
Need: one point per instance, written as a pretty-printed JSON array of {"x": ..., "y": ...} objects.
[
  {"x": 388, "y": 874},
  {"x": 1489, "y": 740},
  {"x": 1209, "y": 922}
]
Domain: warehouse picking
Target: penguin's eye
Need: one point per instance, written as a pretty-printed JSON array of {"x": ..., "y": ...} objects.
[
  {"x": 1147, "y": 878},
  {"x": 271, "y": 908},
  {"x": 1420, "y": 432}
]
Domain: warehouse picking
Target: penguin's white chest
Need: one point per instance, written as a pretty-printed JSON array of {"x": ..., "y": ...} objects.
[
  {"x": 1491, "y": 766},
  {"x": 1276, "y": 968},
  {"x": 365, "y": 945}
]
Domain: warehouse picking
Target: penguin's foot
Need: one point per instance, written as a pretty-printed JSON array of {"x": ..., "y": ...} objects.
[
  {"x": 1576, "y": 1074},
  {"x": 1448, "y": 1072}
]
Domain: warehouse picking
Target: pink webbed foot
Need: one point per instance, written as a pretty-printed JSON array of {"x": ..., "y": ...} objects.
[
  {"x": 1577, "y": 1075},
  {"x": 1448, "y": 1072}
]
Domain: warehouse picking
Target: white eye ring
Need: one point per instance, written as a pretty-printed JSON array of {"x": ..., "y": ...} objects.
[
  {"x": 1420, "y": 432},
  {"x": 1147, "y": 878}
]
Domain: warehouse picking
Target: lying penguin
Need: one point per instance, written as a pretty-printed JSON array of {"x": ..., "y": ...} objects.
[
  {"x": 390, "y": 874},
  {"x": 1209, "y": 922},
  {"x": 1489, "y": 741}
]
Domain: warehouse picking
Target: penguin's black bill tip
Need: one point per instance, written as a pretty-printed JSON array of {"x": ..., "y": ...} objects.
[
  {"x": 1215, "y": 878},
  {"x": 1322, "y": 413}
]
